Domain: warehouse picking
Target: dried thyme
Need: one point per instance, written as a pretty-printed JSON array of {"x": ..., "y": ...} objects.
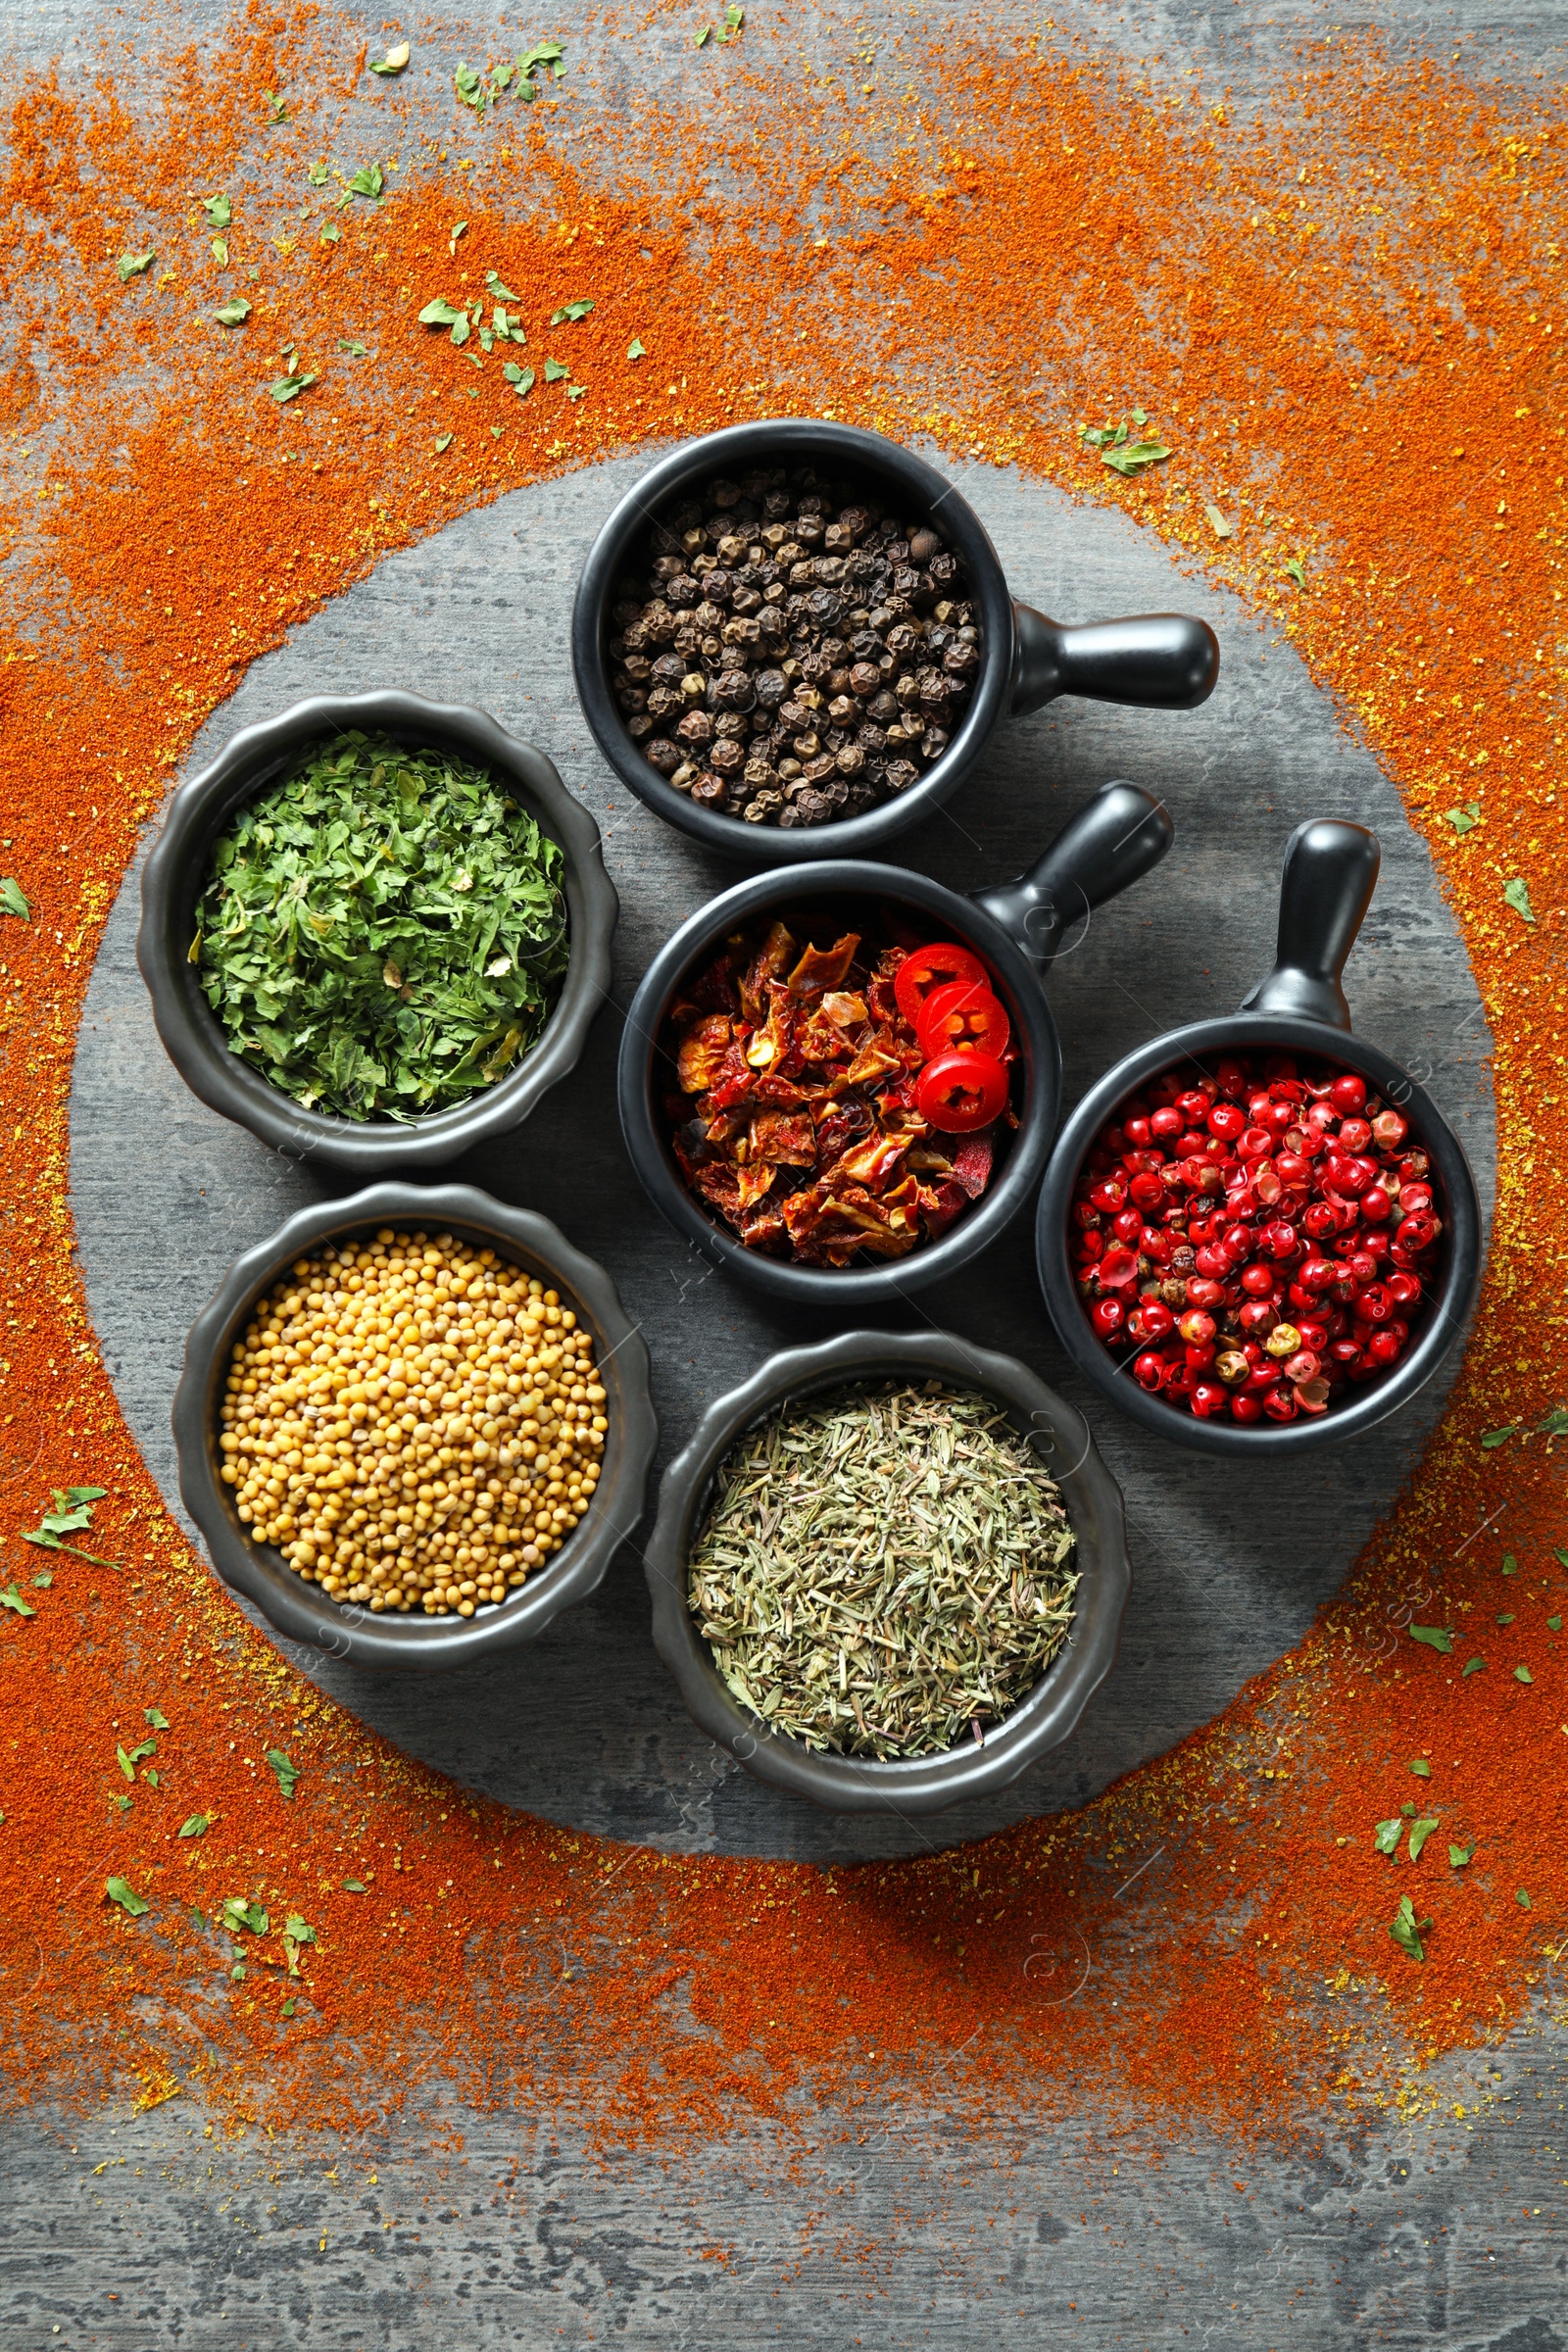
[
  {"x": 383, "y": 932},
  {"x": 883, "y": 1572}
]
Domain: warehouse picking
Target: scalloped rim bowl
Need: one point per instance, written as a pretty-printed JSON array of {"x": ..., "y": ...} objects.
[
  {"x": 302, "y": 1613},
  {"x": 176, "y": 870},
  {"x": 1041, "y": 1721}
]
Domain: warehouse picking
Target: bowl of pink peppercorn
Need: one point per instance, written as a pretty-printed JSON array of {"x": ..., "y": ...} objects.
[{"x": 1259, "y": 1232}]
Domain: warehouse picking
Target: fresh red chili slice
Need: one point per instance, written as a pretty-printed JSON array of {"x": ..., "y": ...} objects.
[
  {"x": 960, "y": 1092},
  {"x": 936, "y": 965},
  {"x": 964, "y": 1017}
]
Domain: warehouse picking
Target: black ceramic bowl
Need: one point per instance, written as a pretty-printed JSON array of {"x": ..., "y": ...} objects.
[
  {"x": 176, "y": 873},
  {"x": 302, "y": 1613},
  {"x": 1015, "y": 930},
  {"x": 1330, "y": 872},
  {"x": 1041, "y": 1721},
  {"x": 1163, "y": 659}
]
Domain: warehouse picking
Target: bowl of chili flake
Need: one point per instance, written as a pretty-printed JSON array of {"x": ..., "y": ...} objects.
[{"x": 840, "y": 1087}]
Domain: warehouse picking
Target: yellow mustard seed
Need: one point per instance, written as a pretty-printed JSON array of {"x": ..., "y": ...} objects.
[{"x": 415, "y": 1424}]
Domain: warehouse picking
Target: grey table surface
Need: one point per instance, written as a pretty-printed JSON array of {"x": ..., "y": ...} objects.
[{"x": 1408, "y": 2236}]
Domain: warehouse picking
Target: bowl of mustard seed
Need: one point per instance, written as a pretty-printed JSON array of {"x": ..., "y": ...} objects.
[{"x": 414, "y": 1426}]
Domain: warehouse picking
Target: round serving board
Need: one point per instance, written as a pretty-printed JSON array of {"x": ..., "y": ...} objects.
[{"x": 1229, "y": 1565}]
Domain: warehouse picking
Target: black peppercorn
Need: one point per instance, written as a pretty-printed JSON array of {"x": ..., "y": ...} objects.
[{"x": 790, "y": 652}]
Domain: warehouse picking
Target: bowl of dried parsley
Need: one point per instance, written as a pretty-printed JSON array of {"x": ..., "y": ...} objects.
[
  {"x": 889, "y": 1573},
  {"x": 376, "y": 930}
]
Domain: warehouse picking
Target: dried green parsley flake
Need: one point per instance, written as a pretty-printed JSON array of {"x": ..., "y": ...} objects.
[
  {"x": 383, "y": 932},
  {"x": 884, "y": 1573}
]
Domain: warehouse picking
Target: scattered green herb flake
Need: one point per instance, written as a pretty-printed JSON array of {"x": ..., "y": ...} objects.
[
  {"x": 286, "y": 1773},
  {"x": 11, "y": 1599},
  {"x": 366, "y": 859},
  {"x": 1555, "y": 1624},
  {"x": 331, "y": 234},
  {"x": 498, "y": 292},
  {"x": 460, "y": 330},
  {"x": 353, "y": 1886},
  {"x": 295, "y": 1928},
  {"x": 470, "y": 88},
  {"x": 522, "y": 380},
  {"x": 72, "y": 1511},
  {"x": 1436, "y": 1636},
  {"x": 1559, "y": 1556},
  {"x": 238, "y": 1913},
  {"x": 1294, "y": 569},
  {"x": 122, "y": 1799},
  {"x": 394, "y": 61},
  {"x": 197, "y": 1826},
  {"x": 44, "y": 1580},
  {"x": 237, "y": 1975},
  {"x": 13, "y": 901},
  {"x": 705, "y": 36},
  {"x": 1463, "y": 820},
  {"x": 221, "y": 252},
  {"x": 1522, "y": 1674},
  {"x": 156, "y": 1717},
  {"x": 1385, "y": 1836},
  {"x": 1522, "y": 1897},
  {"x": 150, "y": 1776},
  {"x": 133, "y": 265},
  {"x": 1516, "y": 893},
  {"x": 1459, "y": 1855},
  {"x": 129, "y": 1763},
  {"x": 318, "y": 174},
  {"x": 1555, "y": 1424},
  {"x": 575, "y": 391},
  {"x": 1408, "y": 1812},
  {"x": 570, "y": 309},
  {"x": 1472, "y": 1666},
  {"x": 1505, "y": 1616},
  {"x": 1510, "y": 1566},
  {"x": 219, "y": 212},
  {"x": 441, "y": 314},
  {"x": 290, "y": 2005},
  {"x": 1421, "y": 1768},
  {"x": 544, "y": 53},
  {"x": 636, "y": 350},
  {"x": 734, "y": 19},
  {"x": 290, "y": 387},
  {"x": 1407, "y": 1931},
  {"x": 276, "y": 108},
  {"x": 554, "y": 371},
  {"x": 1218, "y": 524},
  {"x": 232, "y": 312},
  {"x": 122, "y": 1893},
  {"x": 1420, "y": 1831},
  {"x": 1490, "y": 1439},
  {"x": 355, "y": 351},
  {"x": 368, "y": 180},
  {"x": 443, "y": 441},
  {"x": 1135, "y": 457}
]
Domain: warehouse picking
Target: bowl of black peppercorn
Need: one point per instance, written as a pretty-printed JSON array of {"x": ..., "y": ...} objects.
[{"x": 794, "y": 639}]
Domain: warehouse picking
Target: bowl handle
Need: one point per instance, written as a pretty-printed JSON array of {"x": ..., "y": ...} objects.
[
  {"x": 1162, "y": 661},
  {"x": 1112, "y": 841},
  {"x": 1331, "y": 870}
]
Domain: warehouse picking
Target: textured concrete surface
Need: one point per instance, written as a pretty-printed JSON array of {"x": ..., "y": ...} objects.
[
  {"x": 1229, "y": 1567},
  {"x": 141, "y": 2232}
]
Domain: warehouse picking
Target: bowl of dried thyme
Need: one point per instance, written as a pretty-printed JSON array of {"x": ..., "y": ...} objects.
[
  {"x": 376, "y": 930},
  {"x": 889, "y": 1573},
  {"x": 414, "y": 1426}
]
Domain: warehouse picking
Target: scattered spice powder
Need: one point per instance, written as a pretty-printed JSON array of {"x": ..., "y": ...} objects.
[{"x": 1375, "y": 404}]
